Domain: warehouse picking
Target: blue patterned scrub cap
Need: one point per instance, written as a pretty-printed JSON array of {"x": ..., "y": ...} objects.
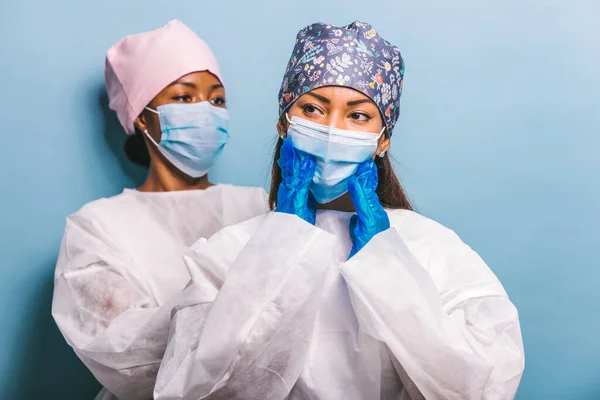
[{"x": 354, "y": 56}]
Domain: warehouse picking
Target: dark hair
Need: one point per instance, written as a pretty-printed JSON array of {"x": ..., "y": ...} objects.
[
  {"x": 390, "y": 191},
  {"x": 136, "y": 149}
]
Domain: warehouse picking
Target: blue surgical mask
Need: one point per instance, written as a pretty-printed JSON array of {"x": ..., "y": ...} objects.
[
  {"x": 193, "y": 135},
  {"x": 337, "y": 153}
]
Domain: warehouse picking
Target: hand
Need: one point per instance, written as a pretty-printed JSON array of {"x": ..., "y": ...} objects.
[
  {"x": 370, "y": 218},
  {"x": 293, "y": 196}
]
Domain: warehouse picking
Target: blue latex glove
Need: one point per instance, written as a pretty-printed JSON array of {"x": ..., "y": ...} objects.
[
  {"x": 370, "y": 218},
  {"x": 293, "y": 196}
]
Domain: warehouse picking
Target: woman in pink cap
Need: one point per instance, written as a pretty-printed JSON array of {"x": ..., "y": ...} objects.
[{"x": 120, "y": 270}]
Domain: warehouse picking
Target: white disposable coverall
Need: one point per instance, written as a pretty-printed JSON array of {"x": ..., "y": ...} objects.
[
  {"x": 274, "y": 311},
  {"x": 120, "y": 271}
]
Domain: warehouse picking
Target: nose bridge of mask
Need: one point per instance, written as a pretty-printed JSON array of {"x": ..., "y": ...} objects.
[
  {"x": 185, "y": 116},
  {"x": 333, "y": 133},
  {"x": 191, "y": 118},
  {"x": 354, "y": 138},
  {"x": 334, "y": 144}
]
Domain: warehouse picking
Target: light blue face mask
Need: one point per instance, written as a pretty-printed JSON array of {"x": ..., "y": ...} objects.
[
  {"x": 193, "y": 135},
  {"x": 337, "y": 154}
]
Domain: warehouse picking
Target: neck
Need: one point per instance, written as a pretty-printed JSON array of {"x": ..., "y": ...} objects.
[
  {"x": 164, "y": 177},
  {"x": 342, "y": 203}
]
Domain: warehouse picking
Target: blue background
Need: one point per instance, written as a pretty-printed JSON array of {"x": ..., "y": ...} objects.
[{"x": 498, "y": 139}]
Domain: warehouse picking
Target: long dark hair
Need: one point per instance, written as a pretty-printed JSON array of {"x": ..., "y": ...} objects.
[{"x": 390, "y": 191}]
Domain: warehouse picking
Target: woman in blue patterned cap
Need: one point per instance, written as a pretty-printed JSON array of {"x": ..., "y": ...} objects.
[{"x": 342, "y": 292}]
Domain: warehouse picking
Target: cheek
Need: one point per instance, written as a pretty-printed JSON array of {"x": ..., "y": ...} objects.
[
  {"x": 295, "y": 111},
  {"x": 374, "y": 126},
  {"x": 377, "y": 125},
  {"x": 153, "y": 124},
  {"x": 368, "y": 126}
]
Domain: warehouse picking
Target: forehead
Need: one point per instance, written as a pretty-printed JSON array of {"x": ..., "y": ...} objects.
[
  {"x": 340, "y": 94},
  {"x": 199, "y": 78}
]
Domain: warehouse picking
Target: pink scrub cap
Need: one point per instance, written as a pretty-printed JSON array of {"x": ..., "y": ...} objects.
[{"x": 140, "y": 66}]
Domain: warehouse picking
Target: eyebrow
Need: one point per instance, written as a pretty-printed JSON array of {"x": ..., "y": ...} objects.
[
  {"x": 188, "y": 84},
  {"x": 193, "y": 86},
  {"x": 322, "y": 98},
  {"x": 360, "y": 101},
  {"x": 350, "y": 103}
]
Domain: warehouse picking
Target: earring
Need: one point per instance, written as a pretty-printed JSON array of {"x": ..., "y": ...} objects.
[
  {"x": 282, "y": 135},
  {"x": 382, "y": 154}
]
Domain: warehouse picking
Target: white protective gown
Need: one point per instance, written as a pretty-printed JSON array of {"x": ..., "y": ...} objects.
[
  {"x": 120, "y": 271},
  {"x": 274, "y": 312}
]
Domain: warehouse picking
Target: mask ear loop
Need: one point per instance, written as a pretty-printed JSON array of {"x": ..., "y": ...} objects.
[
  {"x": 382, "y": 154},
  {"x": 283, "y": 135},
  {"x": 146, "y": 130},
  {"x": 150, "y": 137}
]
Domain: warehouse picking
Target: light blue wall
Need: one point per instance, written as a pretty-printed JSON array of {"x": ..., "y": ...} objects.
[{"x": 499, "y": 139}]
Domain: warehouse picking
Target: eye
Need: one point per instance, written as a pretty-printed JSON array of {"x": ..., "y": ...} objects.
[
  {"x": 358, "y": 116},
  {"x": 218, "y": 101},
  {"x": 186, "y": 98},
  {"x": 310, "y": 109}
]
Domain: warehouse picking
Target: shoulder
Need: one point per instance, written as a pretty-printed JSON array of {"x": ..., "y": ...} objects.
[
  {"x": 416, "y": 227},
  {"x": 452, "y": 264},
  {"x": 85, "y": 236},
  {"x": 93, "y": 222},
  {"x": 102, "y": 207}
]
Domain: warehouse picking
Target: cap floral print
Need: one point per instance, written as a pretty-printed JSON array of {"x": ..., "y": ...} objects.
[{"x": 354, "y": 56}]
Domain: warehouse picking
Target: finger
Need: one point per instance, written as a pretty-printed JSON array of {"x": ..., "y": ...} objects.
[
  {"x": 282, "y": 198},
  {"x": 300, "y": 199},
  {"x": 367, "y": 175},
  {"x": 292, "y": 164},
  {"x": 359, "y": 198},
  {"x": 296, "y": 165},
  {"x": 284, "y": 161},
  {"x": 307, "y": 170},
  {"x": 365, "y": 167},
  {"x": 283, "y": 153}
]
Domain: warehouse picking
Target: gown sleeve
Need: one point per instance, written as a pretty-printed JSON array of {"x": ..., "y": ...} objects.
[
  {"x": 450, "y": 328},
  {"x": 243, "y": 330},
  {"x": 105, "y": 314}
]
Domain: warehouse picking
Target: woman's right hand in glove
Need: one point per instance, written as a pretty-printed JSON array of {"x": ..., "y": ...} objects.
[{"x": 293, "y": 196}]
